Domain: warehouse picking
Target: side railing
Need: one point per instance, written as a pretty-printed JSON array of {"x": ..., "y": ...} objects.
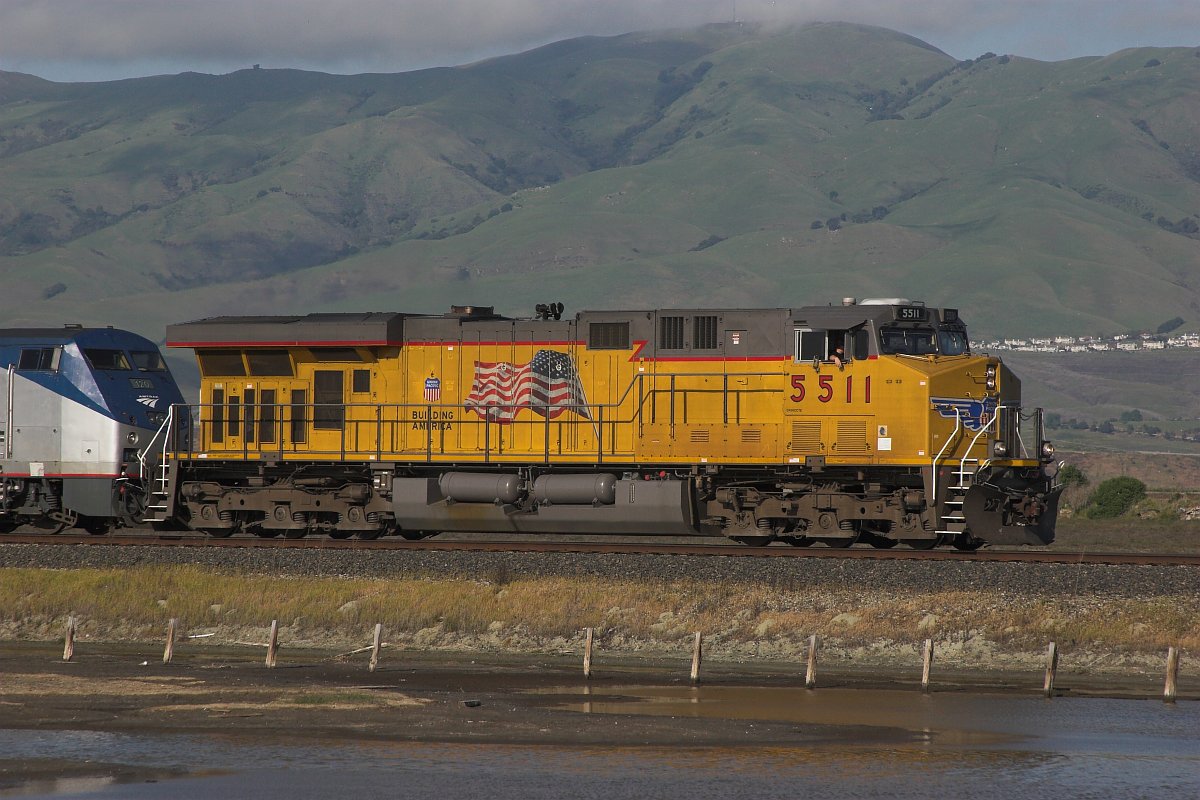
[
  {"x": 157, "y": 446},
  {"x": 939, "y": 458},
  {"x": 605, "y": 431}
]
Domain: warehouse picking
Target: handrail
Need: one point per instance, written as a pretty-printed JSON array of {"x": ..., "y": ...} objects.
[
  {"x": 166, "y": 426},
  {"x": 8, "y": 431},
  {"x": 962, "y": 465},
  {"x": 934, "y": 464}
]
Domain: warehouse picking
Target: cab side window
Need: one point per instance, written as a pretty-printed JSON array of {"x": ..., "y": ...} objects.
[
  {"x": 862, "y": 344},
  {"x": 811, "y": 344},
  {"x": 40, "y": 358}
]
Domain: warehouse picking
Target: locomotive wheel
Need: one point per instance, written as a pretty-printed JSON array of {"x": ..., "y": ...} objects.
[
  {"x": 7, "y": 527},
  {"x": 840, "y": 543},
  {"x": 882, "y": 542},
  {"x": 414, "y": 536},
  {"x": 340, "y": 534},
  {"x": 266, "y": 534},
  {"x": 370, "y": 534},
  {"x": 96, "y": 527},
  {"x": 218, "y": 533},
  {"x": 798, "y": 541},
  {"x": 68, "y": 519},
  {"x": 295, "y": 533},
  {"x": 923, "y": 544},
  {"x": 967, "y": 543},
  {"x": 754, "y": 541}
]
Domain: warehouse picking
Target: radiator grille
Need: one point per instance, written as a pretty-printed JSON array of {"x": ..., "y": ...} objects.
[
  {"x": 751, "y": 435},
  {"x": 806, "y": 436},
  {"x": 851, "y": 436},
  {"x": 699, "y": 435}
]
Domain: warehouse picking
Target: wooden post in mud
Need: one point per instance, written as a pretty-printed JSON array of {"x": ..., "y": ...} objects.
[
  {"x": 69, "y": 639},
  {"x": 273, "y": 643},
  {"x": 927, "y": 664},
  {"x": 376, "y": 644},
  {"x": 587, "y": 655},
  {"x": 810, "y": 678},
  {"x": 1172, "y": 675},
  {"x": 1051, "y": 669},
  {"x": 169, "y": 650},
  {"x": 696, "y": 659}
]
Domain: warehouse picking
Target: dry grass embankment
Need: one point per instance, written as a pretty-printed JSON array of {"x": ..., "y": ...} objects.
[{"x": 499, "y": 613}]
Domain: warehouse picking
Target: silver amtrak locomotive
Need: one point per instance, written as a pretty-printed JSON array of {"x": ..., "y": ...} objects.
[{"x": 81, "y": 410}]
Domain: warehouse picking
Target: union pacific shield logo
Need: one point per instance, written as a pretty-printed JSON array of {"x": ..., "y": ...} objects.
[{"x": 975, "y": 414}]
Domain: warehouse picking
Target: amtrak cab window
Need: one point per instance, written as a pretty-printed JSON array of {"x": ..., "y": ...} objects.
[
  {"x": 105, "y": 359},
  {"x": 40, "y": 358},
  {"x": 148, "y": 361},
  {"x": 811, "y": 344}
]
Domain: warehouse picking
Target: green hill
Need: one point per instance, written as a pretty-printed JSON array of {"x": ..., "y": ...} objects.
[{"x": 726, "y": 165}]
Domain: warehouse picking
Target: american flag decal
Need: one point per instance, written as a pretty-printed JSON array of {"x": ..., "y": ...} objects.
[{"x": 547, "y": 385}]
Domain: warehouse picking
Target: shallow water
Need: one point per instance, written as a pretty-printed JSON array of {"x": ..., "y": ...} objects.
[{"x": 952, "y": 745}]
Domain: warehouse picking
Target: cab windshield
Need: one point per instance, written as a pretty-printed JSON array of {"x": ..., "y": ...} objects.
[
  {"x": 919, "y": 341},
  {"x": 148, "y": 361},
  {"x": 105, "y": 359},
  {"x": 953, "y": 342}
]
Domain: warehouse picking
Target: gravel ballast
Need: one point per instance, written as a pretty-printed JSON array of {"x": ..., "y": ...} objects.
[{"x": 1033, "y": 580}]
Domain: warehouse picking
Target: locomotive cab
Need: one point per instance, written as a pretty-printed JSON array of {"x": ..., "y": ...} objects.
[
  {"x": 82, "y": 408},
  {"x": 912, "y": 397}
]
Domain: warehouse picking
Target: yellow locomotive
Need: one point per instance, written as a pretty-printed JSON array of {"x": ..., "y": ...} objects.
[{"x": 865, "y": 422}]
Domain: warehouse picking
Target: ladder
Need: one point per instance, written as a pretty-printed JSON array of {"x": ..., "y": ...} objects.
[
  {"x": 952, "y": 521},
  {"x": 160, "y": 493},
  {"x": 160, "y": 488}
]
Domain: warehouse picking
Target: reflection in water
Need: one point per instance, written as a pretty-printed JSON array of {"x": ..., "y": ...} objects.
[
  {"x": 1006, "y": 748},
  {"x": 59, "y": 787}
]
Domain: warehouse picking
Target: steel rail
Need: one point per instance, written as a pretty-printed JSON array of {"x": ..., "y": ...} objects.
[{"x": 731, "y": 550}]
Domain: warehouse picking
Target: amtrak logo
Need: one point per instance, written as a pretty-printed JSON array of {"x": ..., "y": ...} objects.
[
  {"x": 148, "y": 400},
  {"x": 975, "y": 414}
]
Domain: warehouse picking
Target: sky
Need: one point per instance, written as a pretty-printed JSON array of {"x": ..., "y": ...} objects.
[{"x": 90, "y": 40}]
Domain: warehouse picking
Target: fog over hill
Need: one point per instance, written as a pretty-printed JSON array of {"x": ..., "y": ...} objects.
[{"x": 727, "y": 165}]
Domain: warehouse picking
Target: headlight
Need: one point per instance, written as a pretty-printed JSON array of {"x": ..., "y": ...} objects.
[
  {"x": 999, "y": 449},
  {"x": 1047, "y": 451},
  {"x": 132, "y": 437},
  {"x": 990, "y": 376}
]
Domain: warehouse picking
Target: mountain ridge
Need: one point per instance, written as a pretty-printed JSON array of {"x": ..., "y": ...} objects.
[{"x": 725, "y": 165}]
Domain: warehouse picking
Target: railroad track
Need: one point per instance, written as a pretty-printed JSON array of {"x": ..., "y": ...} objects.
[{"x": 731, "y": 550}]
